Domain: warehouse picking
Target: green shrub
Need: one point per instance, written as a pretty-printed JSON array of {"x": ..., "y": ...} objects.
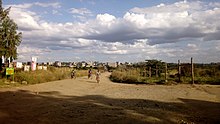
[{"x": 208, "y": 80}]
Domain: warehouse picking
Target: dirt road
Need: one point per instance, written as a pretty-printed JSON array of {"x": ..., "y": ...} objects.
[{"x": 82, "y": 100}]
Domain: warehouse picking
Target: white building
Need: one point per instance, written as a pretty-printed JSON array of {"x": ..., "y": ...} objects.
[
  {"x": 18, "y": 64},
  {"x": 57, "y": 64},
  {"x": 112, "y": 64}
]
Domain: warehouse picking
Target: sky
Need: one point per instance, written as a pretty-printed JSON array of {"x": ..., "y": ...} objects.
[{"x": 117, "y": 30}]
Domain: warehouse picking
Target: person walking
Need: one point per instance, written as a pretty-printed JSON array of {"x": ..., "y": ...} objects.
[
  {"x": 98, "y": 76},
  {"x": 73, "y": 74},
  {"x": 90, "y": 73}
]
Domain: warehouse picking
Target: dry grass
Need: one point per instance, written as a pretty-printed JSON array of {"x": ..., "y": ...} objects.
[
  {"x": 128, "y": 76},
  {"x": 42, "y": 76}
]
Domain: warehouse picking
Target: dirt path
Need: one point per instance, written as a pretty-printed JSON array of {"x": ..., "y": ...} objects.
[{"x": 82, "y": 100}]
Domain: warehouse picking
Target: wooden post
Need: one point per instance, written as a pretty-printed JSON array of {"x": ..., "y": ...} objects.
[
  {"x": 149, "y": 71},
  {"x": 145, "y": 72},
  {"x": 156, "y": 71},
  {"x": 0, "y": 63},
  {"x": 192, "y": 69},
  {"x": 179, "y": 70},
  {"x": 165, "y": 72}
]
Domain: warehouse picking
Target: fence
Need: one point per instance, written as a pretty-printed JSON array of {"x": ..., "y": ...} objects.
[
  {"x": 180, "y": 72},
  {"x": 170, "y": 72}
]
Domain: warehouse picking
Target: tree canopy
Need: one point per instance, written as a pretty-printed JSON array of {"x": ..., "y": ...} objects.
[{"x": 10, "y": 39}]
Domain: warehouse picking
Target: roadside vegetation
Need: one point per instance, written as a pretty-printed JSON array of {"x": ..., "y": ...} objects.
[
  {"x": 153, "y": 72},
  {"x": 39, "y": 76}
]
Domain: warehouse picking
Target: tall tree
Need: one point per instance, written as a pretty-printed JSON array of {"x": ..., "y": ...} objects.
[{"x": 10, "y": 39}]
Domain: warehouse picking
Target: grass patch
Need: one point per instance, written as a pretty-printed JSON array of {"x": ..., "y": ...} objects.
[
  {"x": 40, "y": 76},
  {"x": 208, "y": 80},
  {"x": 134, "y": 76},
  {"x": 126, "y": 76}
]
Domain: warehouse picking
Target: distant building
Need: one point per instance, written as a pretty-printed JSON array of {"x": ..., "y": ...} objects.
[
  {"x": 39, "y": 67},
  {"x": 90, "y": 64},
  {"x": 44, "y": 63},
  {"x": 50, "y": 63},
  {"x": 18, "y": 64},
  {"x": 78, "y": 64},
  {"x": 27, "y": 67},
  {"x": 114, "y": 64},
  {"x": 57, "y": 64},
  {"x": 71, "y": 64},
  {"x": 127, "y": 63},
  {"x": 100, "y": 65},
  {"x": 83, "y": 64}
]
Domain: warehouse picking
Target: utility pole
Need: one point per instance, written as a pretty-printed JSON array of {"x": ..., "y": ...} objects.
[
  {"x": 192, "y": 70},
  {"x": 165, "y": 72},
  {"x": 149, "y": 71},
  {"x": 179, "y": 71}
]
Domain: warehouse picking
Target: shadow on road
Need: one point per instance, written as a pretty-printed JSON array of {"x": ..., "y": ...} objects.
[{"x": 52, "y": 107}]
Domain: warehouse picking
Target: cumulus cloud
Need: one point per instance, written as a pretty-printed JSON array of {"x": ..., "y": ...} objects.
[
  {"x": 56, "y": 12},
  {"x": 160, "y": 24},
  {"x": 54, "y": 5},
  {"x": 80, "y": 11},
  {"x": 140, "y": 32},
  {"x": 26, "y": 20},
  {"x": 29, "y": 5},
  {"x": 191, "y": 45}
]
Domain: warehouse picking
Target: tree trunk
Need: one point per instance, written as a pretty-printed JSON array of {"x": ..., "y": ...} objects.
[
  {"x": 0, "y": 63},
  {"x": 0, "y": 5}
]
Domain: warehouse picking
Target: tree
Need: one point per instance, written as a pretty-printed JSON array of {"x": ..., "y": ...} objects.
[
  {"x": 10, "y": 39},
  {"x": 156, "y": 66}
]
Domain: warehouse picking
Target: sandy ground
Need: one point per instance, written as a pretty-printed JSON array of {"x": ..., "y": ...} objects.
[{"x": 82, "y": 100}]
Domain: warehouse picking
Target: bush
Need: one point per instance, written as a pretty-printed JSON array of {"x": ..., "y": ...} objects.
[
  {"x": 208, "y": 80},
  {"x": 127, "y": 76},
  {"x": 203, "y": 74},
  {"x": 42, "y": 76}
]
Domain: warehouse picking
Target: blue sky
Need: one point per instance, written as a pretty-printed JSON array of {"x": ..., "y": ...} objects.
[{"x": 117, "y": 30}]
